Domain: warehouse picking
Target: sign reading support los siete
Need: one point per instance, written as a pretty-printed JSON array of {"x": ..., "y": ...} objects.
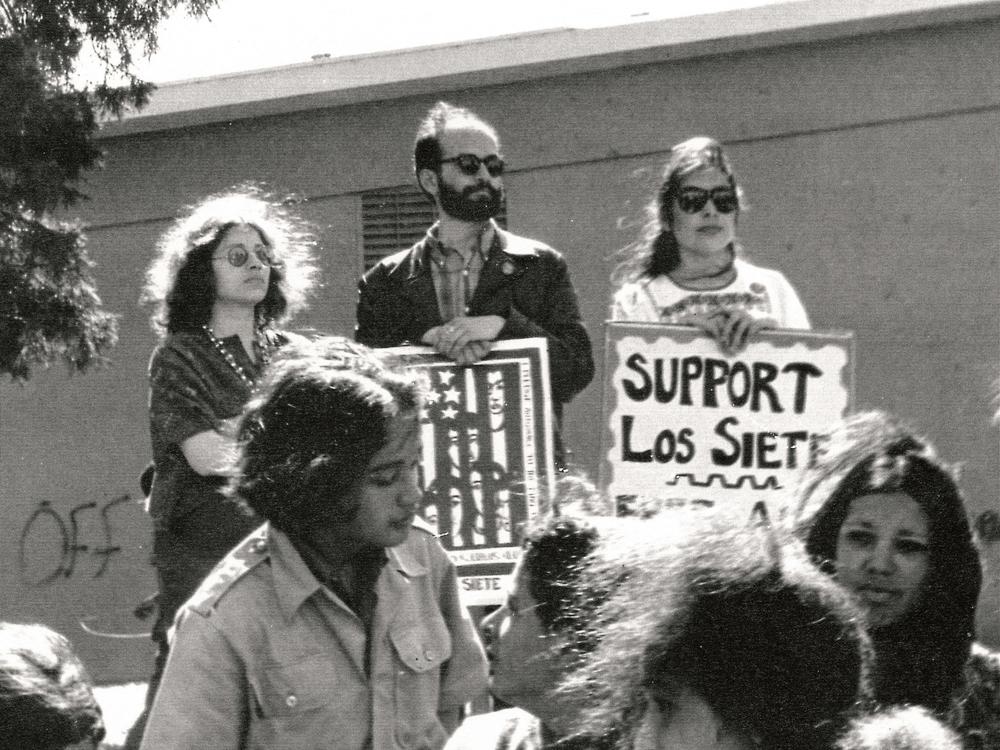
[
  {"x": 688, "y": 426},
  {"x": 487, "y": 463}
]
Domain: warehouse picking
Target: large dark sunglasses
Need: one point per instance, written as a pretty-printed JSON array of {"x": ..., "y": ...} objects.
[
  {"x": 238, "y": 256},
  {"x": 691, "y": 200},
  {"x": 469, "y": 164}
]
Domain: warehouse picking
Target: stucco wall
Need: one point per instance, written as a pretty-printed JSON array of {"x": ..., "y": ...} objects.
[{"x": 871, "y": 168}]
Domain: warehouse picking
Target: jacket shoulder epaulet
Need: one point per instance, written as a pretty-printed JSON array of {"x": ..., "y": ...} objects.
[{"x": 250, "y": 553}]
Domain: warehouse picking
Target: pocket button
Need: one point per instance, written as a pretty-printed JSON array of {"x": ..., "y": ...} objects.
[{"x": 291, "y": 701}]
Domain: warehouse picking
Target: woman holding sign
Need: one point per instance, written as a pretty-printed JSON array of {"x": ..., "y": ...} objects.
[
  {"x": 684, "y": 268},
  {"x": 884, "y": 516}
]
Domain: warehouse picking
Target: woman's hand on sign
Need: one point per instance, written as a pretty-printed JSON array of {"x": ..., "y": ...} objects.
[
  {"x": 731, "y": 329},
  {"x": 739, "y": 328},
  {"x": 710, "y": 323}
]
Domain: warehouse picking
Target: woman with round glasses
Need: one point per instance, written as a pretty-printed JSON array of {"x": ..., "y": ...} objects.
[
  {"x": 224, "y": 276},
  {"x": 684, "y": 269}
]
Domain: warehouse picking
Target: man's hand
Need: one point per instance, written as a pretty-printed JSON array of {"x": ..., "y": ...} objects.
[
  {"x": 465, "y": 339},
  {"x": 473, "y": 352}
]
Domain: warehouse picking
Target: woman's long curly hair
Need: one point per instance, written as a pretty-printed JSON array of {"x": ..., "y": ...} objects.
[
  {"x": 737, "y": 615},
  {"x": 656, "y": 252},
  {"x": 920, "y": 659},
  {"x": 180, "y": 283}
]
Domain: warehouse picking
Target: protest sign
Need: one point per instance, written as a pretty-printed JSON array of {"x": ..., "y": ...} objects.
[
  {"x": 487, "y": 463},
  {"x": 687, "y": 426}
]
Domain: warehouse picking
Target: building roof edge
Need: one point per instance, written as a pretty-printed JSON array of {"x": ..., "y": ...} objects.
[{"x": 379, "y": 76}]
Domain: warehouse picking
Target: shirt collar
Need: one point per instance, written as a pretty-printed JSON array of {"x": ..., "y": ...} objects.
[
  {"x": 434, "y": 250},
  {"x": 294, "y": 583},
  {"x": 402, "y": 560},
  {"x": 329, "y": 573}
]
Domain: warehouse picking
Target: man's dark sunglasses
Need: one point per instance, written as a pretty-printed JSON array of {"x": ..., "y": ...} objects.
[
  {"x": 469, "y": 164},
  {"x": 691, "y": 199}
]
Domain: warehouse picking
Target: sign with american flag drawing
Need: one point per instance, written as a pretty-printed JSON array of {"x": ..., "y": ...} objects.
[{"x": 487, "y": 464}]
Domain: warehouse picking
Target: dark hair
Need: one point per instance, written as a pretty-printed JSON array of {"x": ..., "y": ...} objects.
[
  {"x": 656, "y": 252},
  {"x": 180, "y": 283},
  {"x": 920, "y": 658},
  {"x": 427, "y": 144},
  {"x": 738, "y": 616},
  {"x": 46, "y": 701},
  {"x": 322, "y": 413},
  {"x": 554, "y": 551}
]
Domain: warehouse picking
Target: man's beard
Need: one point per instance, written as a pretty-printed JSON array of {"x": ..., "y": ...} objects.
[{"x": 458, "y": 205}]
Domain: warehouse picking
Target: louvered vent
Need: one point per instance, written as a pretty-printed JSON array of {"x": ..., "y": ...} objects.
[{"x": 393, "y": 219}]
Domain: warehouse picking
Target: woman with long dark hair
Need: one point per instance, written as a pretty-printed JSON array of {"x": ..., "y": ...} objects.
[
  {"x": 685, "y": 267},
  {"x": 225, "y": 276},
  {"x": 881, "y": 513}
]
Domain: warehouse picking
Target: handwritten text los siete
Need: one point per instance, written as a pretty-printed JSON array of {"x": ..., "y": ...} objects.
[{"x": 708, "y": 384}]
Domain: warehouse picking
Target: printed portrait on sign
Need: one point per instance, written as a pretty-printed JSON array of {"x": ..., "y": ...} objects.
[{"x": 487, "y": 464}]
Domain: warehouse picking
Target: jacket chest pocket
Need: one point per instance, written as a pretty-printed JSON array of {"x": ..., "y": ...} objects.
[
  {"x": 291, "y": 689},
  {"x": 422, "y": 648},
  {"x": 421, "y": 652},
  {"x": 303, "y": 704}
]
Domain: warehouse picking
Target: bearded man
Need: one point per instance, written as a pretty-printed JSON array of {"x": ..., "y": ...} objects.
[{"x": 468, "y": 282}]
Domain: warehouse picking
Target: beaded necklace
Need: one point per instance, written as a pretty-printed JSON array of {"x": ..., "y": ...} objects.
[{"x": 261, "y": 346}]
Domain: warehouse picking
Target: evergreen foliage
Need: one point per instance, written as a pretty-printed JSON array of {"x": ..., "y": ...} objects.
[{"x": 49, "y": 306}]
